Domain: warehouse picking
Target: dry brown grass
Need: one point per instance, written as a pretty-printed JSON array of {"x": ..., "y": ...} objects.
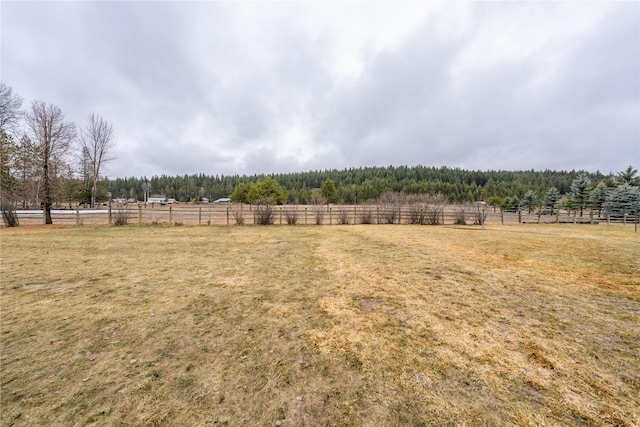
[{"x": 346, "y": 325}]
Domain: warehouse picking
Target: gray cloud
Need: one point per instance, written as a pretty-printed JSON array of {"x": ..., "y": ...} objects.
[{"x": 279, "y": 87}]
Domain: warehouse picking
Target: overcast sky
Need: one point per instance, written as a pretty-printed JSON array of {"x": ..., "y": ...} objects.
[{"x": 244, "y": 88}]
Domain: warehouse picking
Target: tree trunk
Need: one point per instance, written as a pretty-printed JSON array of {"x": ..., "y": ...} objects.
[{"x": 46, "y": 205}]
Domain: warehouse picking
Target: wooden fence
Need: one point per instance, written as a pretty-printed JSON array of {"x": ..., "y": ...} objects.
[{"x": 228, "y": 214}]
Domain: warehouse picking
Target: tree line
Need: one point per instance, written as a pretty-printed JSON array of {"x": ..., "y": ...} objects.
[{"x": 356, "y": 185}]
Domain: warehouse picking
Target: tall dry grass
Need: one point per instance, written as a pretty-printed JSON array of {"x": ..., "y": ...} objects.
[{"x": 350, "y": 325}]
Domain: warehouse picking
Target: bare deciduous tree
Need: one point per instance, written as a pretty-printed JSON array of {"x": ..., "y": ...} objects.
[
  {"x": 10, "y": 104},
  {"x": 52, "y": 136},
  {"x": 96, "y": 142}
]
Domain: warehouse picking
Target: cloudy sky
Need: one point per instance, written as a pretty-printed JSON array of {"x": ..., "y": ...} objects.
[{"x": 244, "y": 87}]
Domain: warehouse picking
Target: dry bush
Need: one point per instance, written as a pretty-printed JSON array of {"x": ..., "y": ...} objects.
[
  {"x": 433, "y": 214},
  {"x": 479, "y": 217},
  {"x": 9, "y": 215},
  {"x": 238, "y": 216},
  {"x": 366, "y": 216},
  {"x": 317, "y": 199},
  {"x": 425, "y": 209},
  {"x": 120, "y": 217},
  {"x": 391, "y": 205},
  {"x": 460, "y": 216},
  {"x": 417, "y": 213},
  {"x": 265, "y": 210},
  {"x": 343, "y": 217},
  {"x": 291, "y": 215},
  {"x": 319, "y": 216}
]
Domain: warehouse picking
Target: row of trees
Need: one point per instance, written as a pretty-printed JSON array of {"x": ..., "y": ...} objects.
[
  {"x": 619, "y": 196},
  {"x": 356, "y": 185},
  {"x": 45, "y": 159}
]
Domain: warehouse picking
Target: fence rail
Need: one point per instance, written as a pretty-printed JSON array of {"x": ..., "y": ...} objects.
[{"x": 210, "y": 214}]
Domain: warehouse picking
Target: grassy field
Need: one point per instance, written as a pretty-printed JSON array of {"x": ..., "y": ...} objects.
[{"x": 524, "y": 325}]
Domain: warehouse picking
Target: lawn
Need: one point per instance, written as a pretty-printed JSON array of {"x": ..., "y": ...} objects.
[{"x": 372, "y": 325}]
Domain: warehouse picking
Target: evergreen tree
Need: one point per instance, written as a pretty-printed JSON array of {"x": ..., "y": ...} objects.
[
  {"x": 529, "y": 201},
  {"x": 267, "y": 188},
  {"x": 239, "y": 195},
  {"x": 623, "y": 200},
  {"x": 329, "y": 191},
  {"x": 580, "y": 191},
  {"x": 598, "y": 196},
  {"x": 551, "y": 199},
  {"x": 629, "y": 177}
]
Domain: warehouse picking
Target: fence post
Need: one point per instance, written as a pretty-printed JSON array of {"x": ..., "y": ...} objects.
[
  {"x": 519, "y": 216},
  {"x": 330, "y": 216},
  {"x": 400, "y": 215},
  {"x": 77, "y": 217},
  {"x": 139, "y": 215},
  {"x": 200, "y": 215},
  {"x": 377, "y": 214},
  {"x": 608, "y": 218},
  {"x": 355, "y": 214},
  {"x": 575, "y": 214},
  {"x": 280, "y": 215},
  {"x": 591, "y": 216},
  {"x": 539, "y": 215},
  {"x": 502, "y": 216},
  {"x": 305, "y": 216},
  {"x": 624, "y": 219},
  {"x": 170, "y": 215},
  {"x": 227, "y": 215},
  {"x": 109, "y": 214}
]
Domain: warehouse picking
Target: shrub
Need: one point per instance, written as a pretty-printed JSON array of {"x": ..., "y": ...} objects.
[
  {"x": 238, "y": 216},
  {"x": 433, "y": 214},
  {"x": 291, "y": 216},
  {"x": 417, "y": 213},
  {"x": 460, "y": 216},
  {"x": 319, "y": 216},
  {"x": 479, "y": 217},
  {"x": 343, "y": 217},
  {"x": 265, "y": 210},
  {"x": 9, "y": 215},
  {"x": 390, "y": 214},
  {"x": 366, "y": 216},
  {"x": 120, "y": 217}
]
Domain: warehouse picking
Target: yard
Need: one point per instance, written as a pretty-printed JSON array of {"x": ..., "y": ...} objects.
[{"x": 320, "y": 325}]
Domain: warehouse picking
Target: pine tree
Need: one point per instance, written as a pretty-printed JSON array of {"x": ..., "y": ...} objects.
[
  {"x": 551, "y": 199},
  {"x": 629, "y": 177},
  {"x": 529, "y": 200},
  {"x": 329, "y": 191},
  {"x": 580, "y": 191},
  {"x": 623, "y": 200},
  {"x": 598, "y": 196}
]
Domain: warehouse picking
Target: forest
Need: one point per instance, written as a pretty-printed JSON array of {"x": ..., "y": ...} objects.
[{"x": 356, "y": 185}]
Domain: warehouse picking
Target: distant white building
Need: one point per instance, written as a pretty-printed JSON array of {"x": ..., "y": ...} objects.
[
  {"x": 222, "y": 200},
  {"x": 157, "y": 198}
]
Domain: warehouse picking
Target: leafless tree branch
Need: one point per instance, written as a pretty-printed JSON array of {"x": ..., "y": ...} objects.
[{"x": 96, "y": 142}]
